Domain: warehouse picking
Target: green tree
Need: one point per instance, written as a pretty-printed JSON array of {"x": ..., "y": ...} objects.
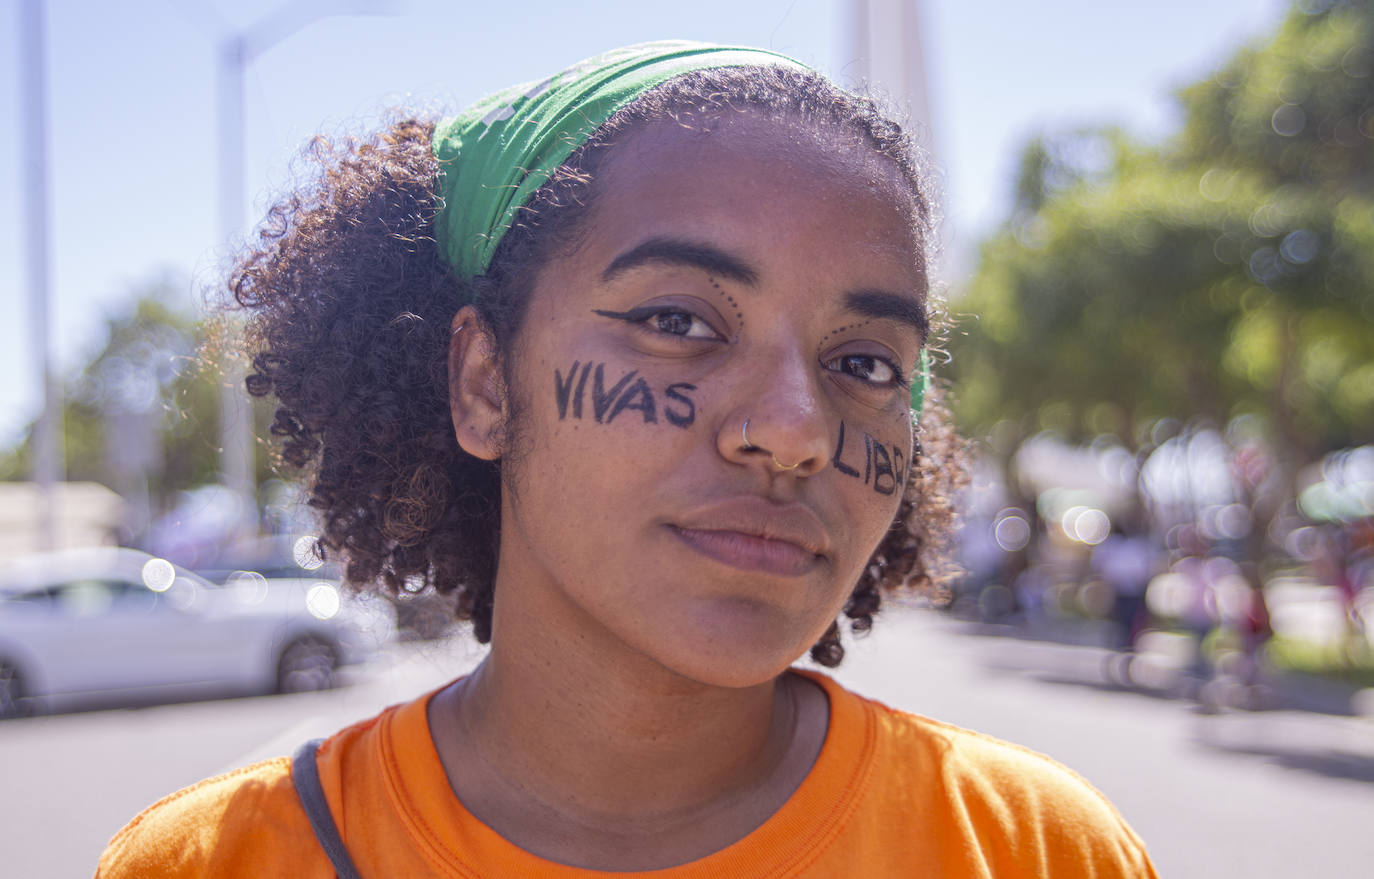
[
  {"x": 142, "y": 415},
  {"x": 1230, "y": 270}
]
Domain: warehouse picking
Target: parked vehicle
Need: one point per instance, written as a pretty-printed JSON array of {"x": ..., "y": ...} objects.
[
  {"x": 422, "y": 615},
  {"x": 113, "y": 625}
]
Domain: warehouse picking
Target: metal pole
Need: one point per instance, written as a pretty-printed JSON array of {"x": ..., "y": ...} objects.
[
  {"x": 857, "y": 58},
  {"x": 237, "y": 459},
  {"x": 886, "y": 49},
  {"x": 238, "y": 469},
  {"x": 48, "y": 463},
  {"x": 886, "y": 53}
]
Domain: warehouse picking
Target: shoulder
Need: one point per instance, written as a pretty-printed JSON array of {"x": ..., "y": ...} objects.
[
  {"x": 1016, "y": 806},
  {"x": 229, "y": 825},
  {"x": 247, "y": 822}
]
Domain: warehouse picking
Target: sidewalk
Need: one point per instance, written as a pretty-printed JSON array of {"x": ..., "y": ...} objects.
[{"x": 1307, "y": 722}]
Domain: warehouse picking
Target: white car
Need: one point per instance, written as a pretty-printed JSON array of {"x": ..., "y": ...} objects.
[{"x": 113, "y": 624}]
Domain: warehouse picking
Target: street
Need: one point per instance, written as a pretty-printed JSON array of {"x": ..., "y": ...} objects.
[{"x": 1271, "y": 794}]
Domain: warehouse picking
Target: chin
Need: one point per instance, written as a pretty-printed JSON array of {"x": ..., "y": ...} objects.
[
  {"x": 731, "y": 672},
  {"x": 732, "y": 644}
]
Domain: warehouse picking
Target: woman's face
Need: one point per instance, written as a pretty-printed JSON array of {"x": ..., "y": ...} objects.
[{"x": 755, "y": 273}]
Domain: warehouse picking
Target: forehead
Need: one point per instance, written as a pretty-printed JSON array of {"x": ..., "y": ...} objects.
[{"x": 778, "y": 191}]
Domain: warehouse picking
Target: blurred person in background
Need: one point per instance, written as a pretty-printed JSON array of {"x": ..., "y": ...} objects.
[
  {"x": 1336, "y": 565},
  {"x": 1198, "y": 609},
  {"x": 1126, "y": 562},
  {"x": 632, "y": 360}
]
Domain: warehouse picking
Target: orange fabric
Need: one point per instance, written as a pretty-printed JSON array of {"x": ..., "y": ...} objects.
[{"x": 891, "y": 794}]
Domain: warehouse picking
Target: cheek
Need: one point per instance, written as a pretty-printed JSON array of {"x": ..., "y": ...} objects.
[
  {"x": 879, "y": 462},
  {"x": 601, "y": 393},
  {"x": 870, "y": 469},
  {"x": 601, "y": 422}
]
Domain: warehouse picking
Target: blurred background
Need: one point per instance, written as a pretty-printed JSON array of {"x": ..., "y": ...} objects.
[{"x": 1158, "y": 256}]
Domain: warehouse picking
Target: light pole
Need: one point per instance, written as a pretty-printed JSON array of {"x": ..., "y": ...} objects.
[
  {"x": 235, "y": 53},
  {"x": 885, "y": 51},
  {"x": 887, "y": 48},
  {"x": 49, "y": 465}
]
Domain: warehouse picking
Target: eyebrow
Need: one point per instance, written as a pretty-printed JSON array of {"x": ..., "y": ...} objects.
[
  {"x": 882, "y": 305},
  {"x": 677, "y": 252}
]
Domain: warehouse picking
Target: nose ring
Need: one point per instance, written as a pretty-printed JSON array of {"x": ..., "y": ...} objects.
[
  {"x": 750, "y": 447},
  {"x": 744, "y": 432}
]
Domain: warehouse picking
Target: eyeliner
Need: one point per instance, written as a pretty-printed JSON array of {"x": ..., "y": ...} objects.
[{"x": 634, "y": 315}]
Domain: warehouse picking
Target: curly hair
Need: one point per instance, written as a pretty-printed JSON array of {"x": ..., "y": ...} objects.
[{"x": 353, "y": 304}]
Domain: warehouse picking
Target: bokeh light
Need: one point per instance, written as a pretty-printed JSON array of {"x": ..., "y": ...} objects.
[
  {"x": 158, "y": 575},
  {"x": 322, "y": 600}
]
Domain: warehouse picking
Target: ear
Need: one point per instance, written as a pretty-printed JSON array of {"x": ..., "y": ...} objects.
[{"x": 476, "y": 387}]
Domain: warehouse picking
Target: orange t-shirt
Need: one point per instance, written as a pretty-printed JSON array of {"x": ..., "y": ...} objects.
[{"x": 891, "y": 794}]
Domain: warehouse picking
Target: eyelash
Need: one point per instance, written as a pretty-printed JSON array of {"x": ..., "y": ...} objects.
[{"x": 642, "y": 315}]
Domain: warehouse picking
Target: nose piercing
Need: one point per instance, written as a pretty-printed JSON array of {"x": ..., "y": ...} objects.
[{"x": 750, "y": 447}]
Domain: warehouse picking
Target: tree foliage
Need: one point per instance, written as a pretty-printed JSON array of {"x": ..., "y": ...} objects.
[
  {"x": 142, "y": 414},
  {"x": 1229, "y": 270}
]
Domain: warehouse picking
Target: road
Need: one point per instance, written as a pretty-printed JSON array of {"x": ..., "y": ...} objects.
[{"x": 1272, "y": 794}]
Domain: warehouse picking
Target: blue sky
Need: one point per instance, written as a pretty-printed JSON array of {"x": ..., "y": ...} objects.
[{"x": 132, "y": 115}]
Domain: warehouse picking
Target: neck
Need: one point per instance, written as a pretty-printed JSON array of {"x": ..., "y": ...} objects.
[
  {"x": 577, "y": 747},
  {"x": 617, "y": 739}
]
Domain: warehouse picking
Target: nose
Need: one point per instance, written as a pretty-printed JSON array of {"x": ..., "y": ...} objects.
[{"x": 778, "y": 422}]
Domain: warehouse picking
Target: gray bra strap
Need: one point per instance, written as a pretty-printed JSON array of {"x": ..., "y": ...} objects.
[{"x": 305, "y": 775}]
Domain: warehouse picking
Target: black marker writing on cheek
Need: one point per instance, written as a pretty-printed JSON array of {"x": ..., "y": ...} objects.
[
  {"x": 675, "y": 393},
  {"x": 602, "y": 398},
  {"x": 581, "y": 385},
  {"x": 840, "y": 465},
  {"x": 631, "y": 392},
  {"x": 637, "y": 397},
  {"x": 562, "y": 390},
  {"x": 883, "y": 469}
]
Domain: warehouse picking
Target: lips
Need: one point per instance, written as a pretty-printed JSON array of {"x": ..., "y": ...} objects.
[{"x": 754, "y": 534}]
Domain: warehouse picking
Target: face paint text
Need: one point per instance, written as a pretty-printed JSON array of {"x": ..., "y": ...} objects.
[{"x": 630, "y": 392}]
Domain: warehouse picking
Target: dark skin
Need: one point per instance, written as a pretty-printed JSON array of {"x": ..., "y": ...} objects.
[{"x": 657, "y": 580}]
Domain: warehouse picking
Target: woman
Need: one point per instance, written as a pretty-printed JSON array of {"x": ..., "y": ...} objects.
[{"x": 630, "y": 359}]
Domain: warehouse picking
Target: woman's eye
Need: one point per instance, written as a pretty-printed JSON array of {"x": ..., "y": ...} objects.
[
  {"x": 866, "y": 367},
  {"x": 681, "y": 323},
  {"x": 668, "y": 321}
]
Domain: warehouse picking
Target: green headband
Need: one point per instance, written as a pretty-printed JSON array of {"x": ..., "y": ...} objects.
[{"x": 498, "y": 152}]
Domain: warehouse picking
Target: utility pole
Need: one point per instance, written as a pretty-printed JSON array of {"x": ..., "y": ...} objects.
[
  {"x": 234, "y": 53},
  {"x": 48, "y": 458},
  {"x": 238, "y": 470},
  {"x": 885, "y": 54}
]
